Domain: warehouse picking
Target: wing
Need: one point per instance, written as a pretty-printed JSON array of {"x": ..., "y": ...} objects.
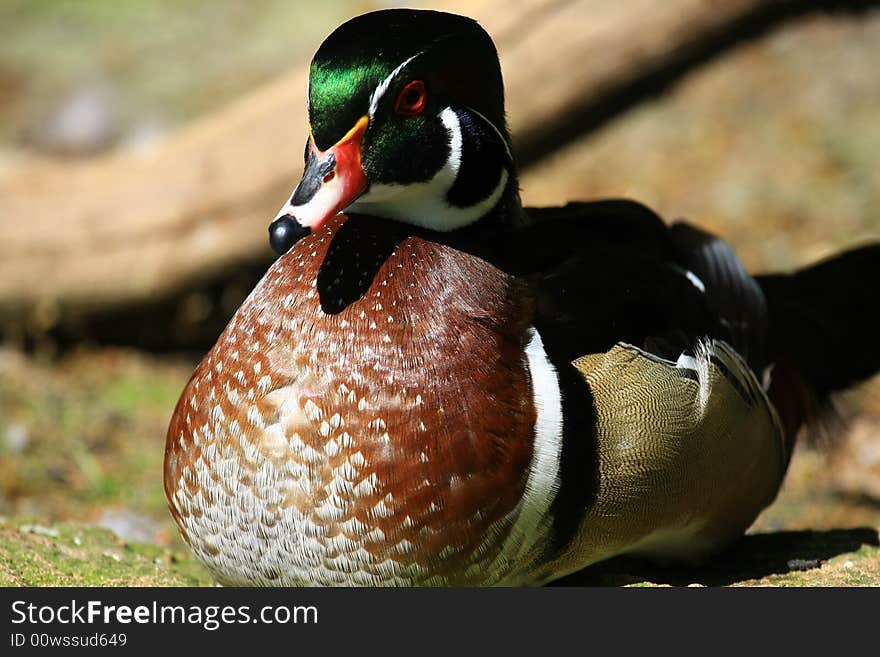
[
  {"x": 612, "y": 271},
  {"x": 683, "y": 466},
  {"x": 669, "y": 316}
]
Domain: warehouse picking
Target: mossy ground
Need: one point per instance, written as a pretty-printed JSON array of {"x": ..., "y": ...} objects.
[
  {"x": 82, "y": 438},
  {"x": 65, "y": 554}
]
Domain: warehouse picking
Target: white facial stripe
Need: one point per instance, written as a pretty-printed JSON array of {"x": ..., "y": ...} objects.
[
  {"x": 533, "y": 521},
  {"x": 424, "y": 204},
  {"x": 453, "y": 125},
  {"x": 695, "y": 280},
  {"x": 382, "y": 87}
]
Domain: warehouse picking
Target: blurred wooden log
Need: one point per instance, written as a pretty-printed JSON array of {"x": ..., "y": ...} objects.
[{"x": 129, "y": 227}]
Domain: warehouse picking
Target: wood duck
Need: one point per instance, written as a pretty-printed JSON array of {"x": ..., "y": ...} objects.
[{"x": 440, "y": 387}]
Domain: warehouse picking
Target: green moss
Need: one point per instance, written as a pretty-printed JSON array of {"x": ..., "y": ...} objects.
[
  {"x": 131, "y": 391},
  {"x": 77, "y": 555}
]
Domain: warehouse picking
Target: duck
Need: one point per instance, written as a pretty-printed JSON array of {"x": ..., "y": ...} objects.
[{"x": 435, "y": 386}]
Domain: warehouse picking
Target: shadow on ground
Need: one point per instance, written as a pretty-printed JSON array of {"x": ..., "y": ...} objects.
[{"x": 795, "y": 558}]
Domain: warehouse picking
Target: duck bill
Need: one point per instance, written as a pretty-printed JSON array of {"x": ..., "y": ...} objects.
[{"x": 332, "y": 180}]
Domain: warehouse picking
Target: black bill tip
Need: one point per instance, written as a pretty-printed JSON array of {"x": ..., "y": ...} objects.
[{"x": 286, "y": 231}]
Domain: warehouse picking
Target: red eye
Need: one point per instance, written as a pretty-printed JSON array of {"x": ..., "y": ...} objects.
[{"x": 412, "y": 98}]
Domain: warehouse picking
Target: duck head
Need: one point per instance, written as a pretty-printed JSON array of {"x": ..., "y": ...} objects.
[{"x": 406, "y": 114}]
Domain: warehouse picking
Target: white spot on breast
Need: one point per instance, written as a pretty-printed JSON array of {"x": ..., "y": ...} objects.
[
  {"x": 232, "y": 395},
  {"x": 312, "y": 411},
  {"x": 353, "y": 527},
  {"x": 217, "y": 415},
  {"x": 264, "y": 384},
  {"x": 331, "y": 448},
  {"x": 381, "y": 510},
  {"x": 255, "y": 418},
  {"x": 367, "y": 486},
  {"x": 311, "y": 456},
  {"x": 348, "y": 471}
]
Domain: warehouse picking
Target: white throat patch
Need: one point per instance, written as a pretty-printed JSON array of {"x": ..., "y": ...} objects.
[{"x": 424, "y": 204}]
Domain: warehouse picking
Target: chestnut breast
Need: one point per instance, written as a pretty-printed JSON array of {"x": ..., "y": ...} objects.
[{"x": 365, "y": 418}]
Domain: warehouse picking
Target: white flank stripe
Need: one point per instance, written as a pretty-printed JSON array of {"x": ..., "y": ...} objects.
[{"x": 533, "y": 521}]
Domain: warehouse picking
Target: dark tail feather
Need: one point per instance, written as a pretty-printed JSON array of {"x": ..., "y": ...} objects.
[{"x": 824, "y": 331}]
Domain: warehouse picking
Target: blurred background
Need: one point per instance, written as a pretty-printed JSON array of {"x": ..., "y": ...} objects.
[{"x": 144, "y": 148}]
